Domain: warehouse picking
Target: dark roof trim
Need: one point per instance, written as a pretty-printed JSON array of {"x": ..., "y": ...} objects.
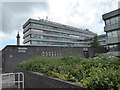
[
  {"x": 111, "y": 14},
  {"x": 36, "y": 46}
]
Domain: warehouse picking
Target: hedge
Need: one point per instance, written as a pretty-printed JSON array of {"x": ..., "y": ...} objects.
[{"x": 101, "y": 72}]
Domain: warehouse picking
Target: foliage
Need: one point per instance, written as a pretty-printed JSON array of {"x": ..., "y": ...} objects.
[
  {"x": 95, "y": 42},
  {"x": 101, "y": 72}
]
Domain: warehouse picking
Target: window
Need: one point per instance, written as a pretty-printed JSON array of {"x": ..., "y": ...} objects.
[
  {"x": 49, "y": 53},
  {"x": 119, "y": 32},
  {"x": 27, "y": 43},
  {"x": 112, "y": 20},
  {"x": 114, "y": 33},
  {"x": 27, "y": 37},
  {"x": 107, "y": 22},
  {"x": 46, "y": 53},
  {"x": 27, "y": 31},
  {"x": 114, "y": 47},
  {"x": 109, "y": 34},
  {"x": 36, "y": 36},
  {"x": 117, "y": 18},
  {"x": 35, "y": 30},
  {"x": 36, "y": 42},
  {"x": 43, "y": 53}
]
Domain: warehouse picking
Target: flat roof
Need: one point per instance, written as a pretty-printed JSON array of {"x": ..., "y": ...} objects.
[
  {"x": 111, "y": 14},
  {"x": 38, "y": 46},
  {"x": 55, "y": 24}
]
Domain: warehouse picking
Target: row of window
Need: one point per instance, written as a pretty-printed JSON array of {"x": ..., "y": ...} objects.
[
  {"x": 37, "y": 42},
  {"x": 52, "y": 38},
  {"x": 34, "y": 30},
  {"x": 114, "y": 47},
  {"x": 36, "y": 36},
  {"x": 112, "y": 20},
  {"x": 54, "y": 33},
  {"x": 59, "y": 29},
  {"x": 114, "y": 33},
  {"x": 63, "y": 34},
  {"x": 49, "y": 38},
  {"x": 51, "y": 53}
]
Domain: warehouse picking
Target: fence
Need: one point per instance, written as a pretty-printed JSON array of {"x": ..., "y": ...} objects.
[{"x": 13, "y": 78}]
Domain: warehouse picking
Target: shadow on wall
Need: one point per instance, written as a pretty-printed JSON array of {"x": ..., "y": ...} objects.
[{"x": 42, "y": 81}]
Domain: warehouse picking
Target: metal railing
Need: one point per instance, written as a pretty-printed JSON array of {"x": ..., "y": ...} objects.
[{"x": 14, "y": 78}]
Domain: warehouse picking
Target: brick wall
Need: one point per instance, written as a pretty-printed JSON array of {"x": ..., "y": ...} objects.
[{"x": 12, "y": 54}]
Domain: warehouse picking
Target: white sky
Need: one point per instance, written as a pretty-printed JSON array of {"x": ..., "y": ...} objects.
[{"x": 78, "y": 13}]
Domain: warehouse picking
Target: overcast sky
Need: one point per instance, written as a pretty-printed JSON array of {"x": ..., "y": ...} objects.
[{"x": 78, "y": 13}]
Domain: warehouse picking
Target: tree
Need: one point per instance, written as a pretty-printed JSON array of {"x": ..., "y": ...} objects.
[{"x": 95, "y": 42}]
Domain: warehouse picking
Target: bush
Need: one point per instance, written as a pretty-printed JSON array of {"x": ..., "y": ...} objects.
[
  {"x": 101, "y": 72},
  {"x": 102, "y": 78}
]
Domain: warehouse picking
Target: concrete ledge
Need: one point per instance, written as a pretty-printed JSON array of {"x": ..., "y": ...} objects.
[
  {"x": 37, "y": 80},
  {"x": 111, "y": 14}
]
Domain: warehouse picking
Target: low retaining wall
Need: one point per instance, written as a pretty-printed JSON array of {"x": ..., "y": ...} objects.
[{"x": 37, "y": 80}]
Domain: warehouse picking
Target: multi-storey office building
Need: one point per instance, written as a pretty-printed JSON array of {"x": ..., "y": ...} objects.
[
  {"x": 112, "y": 29},
  {"x": 47, "y": 33},
  {"x": 102, "y": 39}
]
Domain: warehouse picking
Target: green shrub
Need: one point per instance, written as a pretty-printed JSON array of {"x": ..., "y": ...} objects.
[
  {"x": 102, "y": 78},
  {"x": 101, "y": 72}
]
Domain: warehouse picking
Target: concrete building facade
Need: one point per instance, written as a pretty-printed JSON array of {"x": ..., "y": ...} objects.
[
  {"x": 112, "y": 29},
  {"x": 102, "y": 40},
  {"x": 47, "y": 33}
]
